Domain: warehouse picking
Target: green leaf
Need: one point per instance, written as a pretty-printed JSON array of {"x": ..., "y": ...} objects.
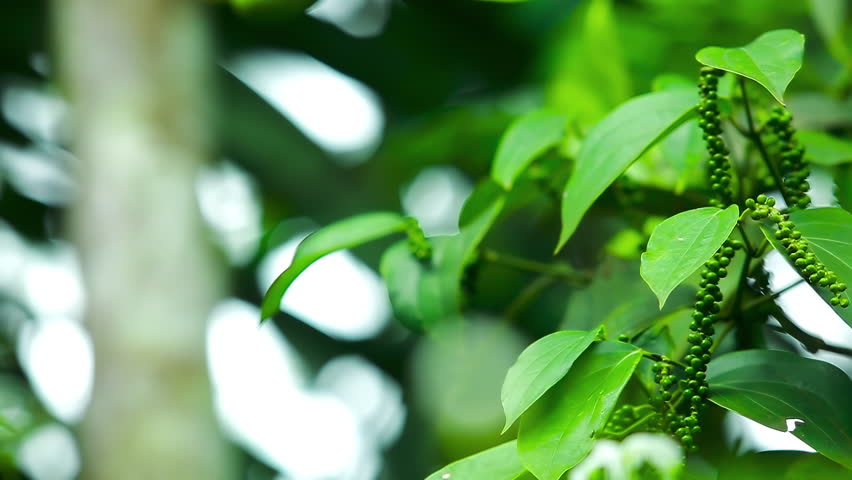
[
  {"x": 843, "y": 186},
  {"x": 634, "y": 308},
  {"x": 830, "y": 19},
  {"x": 823, "y": 149},
  {"x": 498, "y": 463},
  {"x": 524, "y": 140},
  {"x": 771, "y": 60},
  {"x": 480, "y": 201},
  {"x": 559, "y": 430},
  {"x": 538, "y": 368},
  {"x": 781, "y": 465},
  {"x": 616, "y": 142},
  {"x": 422, "y": 294},
  {"x": 829, "y": 234},
  {"x": 772, "y": 387},
  {"x": 682, "y": 243},
  {"x": 340, "y": 235}
]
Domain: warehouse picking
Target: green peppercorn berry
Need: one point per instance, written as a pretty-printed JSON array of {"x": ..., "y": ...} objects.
[
  {"x": 712, "y": 277},
  {"x": 688, "y": 393},
  {"x": 700, "y": 376},
  {"x": 761, "y": 199},
  {"x": 722, "y": 272},
  {"x": 834, "y": 301},
  {"x": 697, "y": 363},
  {"x": 696, "y": 350},
  {"x": 750, "y": 203},
  {"x": 690, "y": 371},
  {"x": 696, "y": 429},
  {"x": 724, "y": 261},
  {"x": 703, "y": 391},
  {"x": 623, "y": 338},
  {"x": 666, "y": 396},
  {"x": 844, "y": 302}
]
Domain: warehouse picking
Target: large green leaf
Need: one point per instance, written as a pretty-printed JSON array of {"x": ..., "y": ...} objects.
[
  {"x": 498, "y": 463},
  {"x": 823, "y": 149},
  {"x": 829, "y": 234},
  {"x": 616, "y": 142},
  {"x": 771, "y": 60},
  {"x": 843, "y": 186},
  {"x": 774, "y": 388},
  {"x": 339, "y": 235},
  {"x": 559, "y": 430},
  {"x": 538, "y": 368},
  {"x": 422, "y": 294},
  {"x": 682, "y": 243},
  {"x": 524, "y": 140}
]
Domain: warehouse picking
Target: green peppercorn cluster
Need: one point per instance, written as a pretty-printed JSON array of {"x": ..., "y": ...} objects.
[
  {"x": 417, "y": 242},
  {"x": 814, "y": 271},
  {"x": 621, "y": 419},
  {"x": 719, "y": 165},
  {"x": 792, "y": 163}
]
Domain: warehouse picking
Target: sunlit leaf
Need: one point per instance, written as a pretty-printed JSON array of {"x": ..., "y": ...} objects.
[
  {"x": 538, "y": 368},
  {"x": 498, "y": 463},
  {"x": 823, "y": 149},
  {"x": 682, "y": 243},
  {"x": 778, "y": 389},
  {"x": 339, "y": 235},
  {"x": 771, "y": 60},
  {"x": 559, "y": 430},
  {"x": 528, "y": 137},
  {"x": 616, "y": 142}
]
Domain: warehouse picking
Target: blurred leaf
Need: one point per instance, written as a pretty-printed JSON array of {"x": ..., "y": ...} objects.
[
  {"x": 538, "y": 368},
  {"x": 823, "y": 149},
  {"x": 634, "y": 308},
  {"x": 771, "y": 60},
  {"x": 843, "y": 186},
  {"x": 559, "y": 430},
  {"x": 498, "y": 463},
  {"x": 772, "y": 387},
  {"x": 617, "y": 141},
  {"x": 587, "y": 82},
  {"x": 681, "y": 244},
  {"x": 346, "y": 233},
  {"x": 480, "y": 200},
  {"x": 424, "y": 294},
  {"x": 278, "y": 6},
  {"x": 830, "y": 19},
  {"x": 781, "y": 465},
  {"x": 527, "y": 137}
]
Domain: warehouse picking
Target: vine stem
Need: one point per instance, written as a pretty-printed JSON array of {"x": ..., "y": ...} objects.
[
  {"x": 754, "y": 136},
  {"x": 562, "y": 271},
  {"x": 642, "y": 421}
]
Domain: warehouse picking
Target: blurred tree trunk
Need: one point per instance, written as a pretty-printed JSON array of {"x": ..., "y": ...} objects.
[{"x": 136, "y": 72}]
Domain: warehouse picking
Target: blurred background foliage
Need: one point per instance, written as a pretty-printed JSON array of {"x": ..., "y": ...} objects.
[{"x": 357, "y": 105}]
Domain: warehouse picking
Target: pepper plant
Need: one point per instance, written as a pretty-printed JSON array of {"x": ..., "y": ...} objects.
[{"x": 572, "y": 388}]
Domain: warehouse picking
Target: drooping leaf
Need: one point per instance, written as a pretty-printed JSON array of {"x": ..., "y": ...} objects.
[
  {"x": 424, "y": 293},
  {"x": 339, "y": 235},
  {"x": 498, "y": 463},
  {"x": 538, "y": 368},
  {"x": 823, "y": 149},
  {"x": 682, "y": 243},
  {"x": 771, "y": 60},
  {"x": 528, "y": 137},
  {"x": 829, "y": 234},
  {"x": 558, "y": 431},
  {"x": 779, "y": 389},
  {"x": 617, "y": 141}
]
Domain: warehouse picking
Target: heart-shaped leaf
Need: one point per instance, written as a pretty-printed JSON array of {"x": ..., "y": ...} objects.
[
  {"x": 346, "y": 233},
  {"x": 538, "y": 368},
  {"x": 784, "y": 391},
  {"x": 771, "y": 60},
  {"x": 498, "y": 463},
  {"x": 524, "y": 140},
  {"x": 682, "y": 243},
  {"x": 559, "y": 430},
  {"x": 616, "y": 142}
]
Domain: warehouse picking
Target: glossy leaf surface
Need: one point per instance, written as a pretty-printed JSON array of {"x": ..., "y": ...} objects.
[{"x": 528, "y": 137}]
